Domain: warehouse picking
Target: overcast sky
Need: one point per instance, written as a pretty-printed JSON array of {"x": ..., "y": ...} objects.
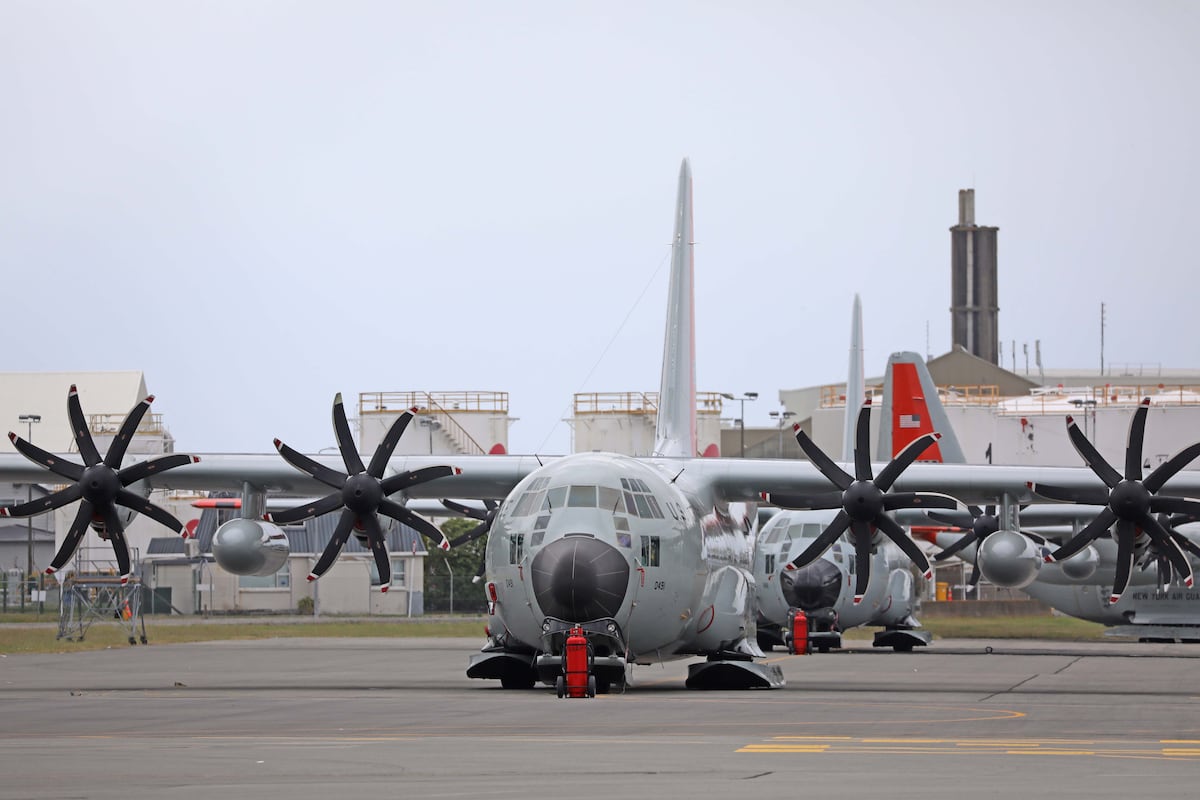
[{"x": 262, "y": 204}]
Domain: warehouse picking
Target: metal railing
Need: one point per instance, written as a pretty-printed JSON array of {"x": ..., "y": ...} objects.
[
  {"x": 592, "y": 403},
  {"x": 441, "y": 406}
]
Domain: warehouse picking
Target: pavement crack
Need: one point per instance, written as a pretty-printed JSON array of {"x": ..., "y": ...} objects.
[
  {"x": 1010, "y": 689},
  {"x": 759, "y": 775},
  {"x": 1068, "y": 665}
]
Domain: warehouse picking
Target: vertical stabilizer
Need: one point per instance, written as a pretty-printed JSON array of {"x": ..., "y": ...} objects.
[
  {"x": 911, "y": 408},
  {"x": 854, "y": 381},
  {"x": 675, "y": 431}
]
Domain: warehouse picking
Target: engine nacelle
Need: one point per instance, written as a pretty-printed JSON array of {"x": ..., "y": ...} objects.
[
  {"x": 1009, "y": 559},
  {"x": 1082, "y": 565},
  {"x": 250, "y": 547}
]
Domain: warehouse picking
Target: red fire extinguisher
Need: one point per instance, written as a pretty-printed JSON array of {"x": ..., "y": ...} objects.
[
  {"x": 799, "y": 629},
  {"x": 577, "y": 679}
]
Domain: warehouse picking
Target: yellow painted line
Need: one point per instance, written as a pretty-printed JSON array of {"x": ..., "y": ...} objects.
[
  {"x": 1050, "y": 752},
  {"x": 1179, "y": 741},
  {"x": 815, "y": 738},
  {"x": 997, "y": 744},
  {"x": 905, "y": 741},
  {"x": 1176, "y": 751}
]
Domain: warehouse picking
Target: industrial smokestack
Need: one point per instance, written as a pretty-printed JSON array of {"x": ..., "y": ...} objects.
[{"x": 974, "y": 294}]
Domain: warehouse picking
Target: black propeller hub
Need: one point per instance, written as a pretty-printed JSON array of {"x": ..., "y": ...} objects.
[
  {"x": 1129, "y": 500},
  {"x": 362, "y": 493},
  {"x": 100, "y": 484},
  {"x": 984, "y": 526},
  {"x": 863, "y": 501}
]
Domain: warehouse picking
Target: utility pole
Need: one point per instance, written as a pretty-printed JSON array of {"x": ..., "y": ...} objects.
[
  {"x": 29, "y": 420},
  {"x": 742, "y": 422}
]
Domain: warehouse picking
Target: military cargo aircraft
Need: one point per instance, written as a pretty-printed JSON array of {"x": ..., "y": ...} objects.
[{"x": 648, "y": 558}]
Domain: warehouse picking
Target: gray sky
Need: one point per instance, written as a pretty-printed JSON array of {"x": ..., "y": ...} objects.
[{"x": 262, "y": 204}]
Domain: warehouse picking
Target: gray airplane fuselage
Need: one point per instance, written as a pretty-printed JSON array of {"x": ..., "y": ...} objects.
[{"x": 604, "y": 536}]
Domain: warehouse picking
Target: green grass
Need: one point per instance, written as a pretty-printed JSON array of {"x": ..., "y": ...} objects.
[
  {"x": 14, "y": 639},
  {"x": 20, "y": 639}
]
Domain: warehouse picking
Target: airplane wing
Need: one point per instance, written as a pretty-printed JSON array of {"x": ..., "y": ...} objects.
[
  {"x": 483, "y": 477},
  {"x": 743, "y": 480}
]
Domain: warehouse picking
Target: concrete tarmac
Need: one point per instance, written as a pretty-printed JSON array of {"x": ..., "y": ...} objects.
[{"x": 352, "y": 718}]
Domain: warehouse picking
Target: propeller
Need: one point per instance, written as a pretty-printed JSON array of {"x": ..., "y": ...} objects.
[
  {"x": 362, "y": 494},
  {"x": 1130, "y": 502},
  {"x": 863, "y": 501},
  {"x": 487, "y": 515},
  {"x": 99, "y": 485}
]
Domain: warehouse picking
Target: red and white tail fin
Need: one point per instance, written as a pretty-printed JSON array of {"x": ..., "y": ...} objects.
[{"x": 911, "y": 409}]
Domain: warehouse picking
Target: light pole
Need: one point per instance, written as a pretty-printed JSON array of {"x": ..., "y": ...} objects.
[
  {"x": 29, "y": 420},
  {"x": 782, "y": 417},
  {"x": 742, "y": 422}
]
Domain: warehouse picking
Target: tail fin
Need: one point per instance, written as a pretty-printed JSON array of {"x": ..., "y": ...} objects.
[
  {"x": 911, "y": 408},
  {"x": 675, "y": 429},
  {"x": 854, "y": 381}
]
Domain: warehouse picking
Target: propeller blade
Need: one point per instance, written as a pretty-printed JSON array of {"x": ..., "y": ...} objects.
[
  {"x": 862, "y": 444},
  {"x": 74, "y": 536},
  {"x": 120, "y": 443},
  {"x": 975, "y": 512},
  {"x": 403, "y": 480},
  {"x": 471, "y": 535},
  {"x": 1133, "y": 443},
  {"x": 1169, "y": 548},
  {"x": 1184, "y": 542},
  {"x": 1091, "y": 456},
  {"x": 66, "y": 469},
  {"x": 862, "y": 558},
  {"x": 326, "y": 504},
  {"x": 894, "y": 532},
  {"x": 1125, "y": 534},
  {"x": 480, "y": 571},
  {"x": 336, "y": 542},
  {"x": 959, "y": 519},
  {"x": 1092, "y": 496},
  {"x": 384, "y": 450},
  {"x": 143, "y": 506},
  {"x": 823, "y": 542},
  {"x": 144, "y": 469},
  {"x": 345, "y": 441},
  {"x": 115, "y": 532},
  {"x": 1092, "y": 530},
  {"x": 79, "y": 427},
  {"x": 963, "y": 542},
  {"x": 895, "y": 500},
  {"x": 378, "y": 545},
  {"x": 48, "y": 503},
  {"x": 1169, "y": 468},
  {"x": 973, "y": 581},
  {"x": 823, "y": 500},
  {"x": 466, "y": 511},
  {"x": 824, "y": 464},
  {"x": 422, "y": 526},
  {"x": 1175, "y": 505},
  {"x": 889, "y": 474},
  {"x": 327, "y": 476}
]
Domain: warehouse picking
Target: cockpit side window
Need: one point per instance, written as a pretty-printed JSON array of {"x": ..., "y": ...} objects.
[
  {"x": 556, "y": 498},
  {"x": 609, "y": 499},
  {"x": 639, "y": 500}
]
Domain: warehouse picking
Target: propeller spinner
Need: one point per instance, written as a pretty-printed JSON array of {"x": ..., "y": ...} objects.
[
  {"x": 362, "y": 494},
  {"x": 99, "y": 485}
]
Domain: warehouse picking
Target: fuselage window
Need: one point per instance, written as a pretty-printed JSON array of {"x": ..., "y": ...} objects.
[
  {"x": 630, "y": 506},
  {"x": 650, "y": 551},
  {"x": 643, "y": 508},
  {"x": 655, "y": 511},
  {"x": 582, "y": 497},
  {"x": 529, "y": 503},
  {"x": 621, "y": 525},
  {"x": 609, "y": 499},
  {"x": 556, "y": 498},
  {"x": 516, "y": 548}
]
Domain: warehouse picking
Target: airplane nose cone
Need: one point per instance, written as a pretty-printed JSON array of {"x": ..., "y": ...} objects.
[
  {"x": 814, "y": 586},
  {"x": 578, "y": 578}
]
